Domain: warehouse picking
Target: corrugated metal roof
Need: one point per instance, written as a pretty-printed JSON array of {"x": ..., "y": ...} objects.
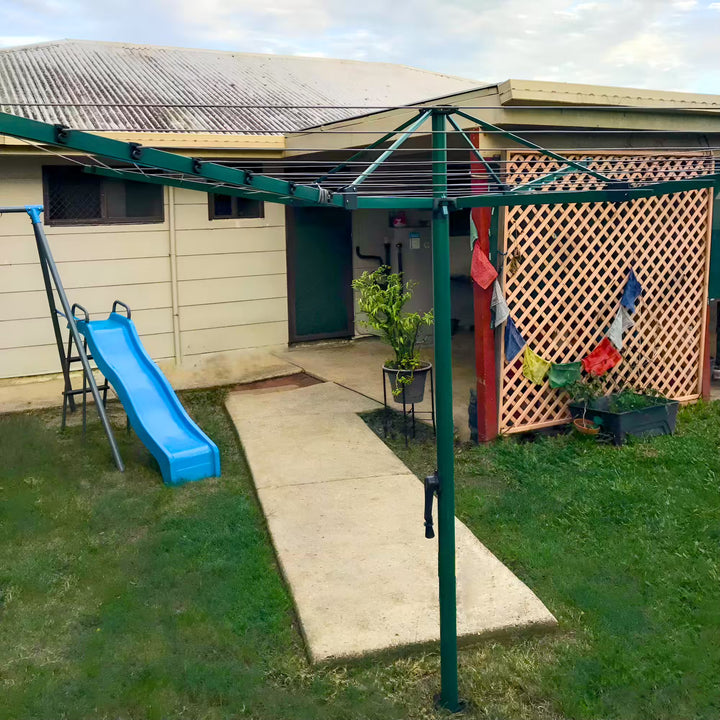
[{"x": 121, "y": 86}]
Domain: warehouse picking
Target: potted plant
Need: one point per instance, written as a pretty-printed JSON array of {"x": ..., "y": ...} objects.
[
  {"x": 382, "y": 297},
  {"x": 630, "y": 411},
  {"x": 583, "y": 394}
]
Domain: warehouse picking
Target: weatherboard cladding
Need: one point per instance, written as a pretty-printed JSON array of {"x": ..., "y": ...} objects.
[{"x": 129, "y": 87}]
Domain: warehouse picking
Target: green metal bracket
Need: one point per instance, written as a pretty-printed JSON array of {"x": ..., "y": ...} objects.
[
  {"x": 527, "y": 143},
  {"x": 391, "y": 203},
  {"x": 136, "y": 154},
  {"x": 379, "y": 161},
  {"x": 369, "y": 148},
  {"x": 585, "y": 196},
  {"x": 444, "y": 205},
  {"x": 544, "y": 180},
  {"x": 476, "y": 152}
]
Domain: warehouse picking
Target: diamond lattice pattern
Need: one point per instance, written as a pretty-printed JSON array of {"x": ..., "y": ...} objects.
[{"x": 564, "y": 273}]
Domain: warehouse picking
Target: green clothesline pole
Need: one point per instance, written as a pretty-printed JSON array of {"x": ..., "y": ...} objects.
[{"x": 445, "y": 426}]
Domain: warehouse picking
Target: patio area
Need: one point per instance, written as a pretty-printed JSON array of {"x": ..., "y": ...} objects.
[{"x": 356, "y": 364}]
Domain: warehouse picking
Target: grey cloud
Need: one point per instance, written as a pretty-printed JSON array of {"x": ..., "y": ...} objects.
[{"x": 664, "y": 44}]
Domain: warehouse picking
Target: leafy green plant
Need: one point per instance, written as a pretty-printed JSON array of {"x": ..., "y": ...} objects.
[
  {"x": 586, "y": 391},
  {"x": 382, "y": 297},
  {"x": 630, "y": 399}
]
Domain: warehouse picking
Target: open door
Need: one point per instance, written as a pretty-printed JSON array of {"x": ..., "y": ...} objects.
[{"x": 319, "y": 265}]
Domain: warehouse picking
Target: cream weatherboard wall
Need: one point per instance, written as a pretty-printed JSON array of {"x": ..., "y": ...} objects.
[
  {"x": 231, "y": 276},
  {"x": 197, "y": 288}
]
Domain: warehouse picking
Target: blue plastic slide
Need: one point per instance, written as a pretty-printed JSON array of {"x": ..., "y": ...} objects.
[{"x": 183, "y": 451}]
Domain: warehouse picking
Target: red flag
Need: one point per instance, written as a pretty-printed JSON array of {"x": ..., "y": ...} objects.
[
  {"x": 482, "y": 270},
  {"x": 602, "y": 358}
]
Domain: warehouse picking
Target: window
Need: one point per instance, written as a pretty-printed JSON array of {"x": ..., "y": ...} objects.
[
  {"x": 73, "y": 197},
  {"x": 222, "y": 207}
]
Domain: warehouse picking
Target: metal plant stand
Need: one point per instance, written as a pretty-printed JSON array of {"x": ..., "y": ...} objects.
[{"x": 409, "y": 408}]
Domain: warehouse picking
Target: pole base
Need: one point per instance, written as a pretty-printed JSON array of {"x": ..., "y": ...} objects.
[{"x": 456, "y": 708}]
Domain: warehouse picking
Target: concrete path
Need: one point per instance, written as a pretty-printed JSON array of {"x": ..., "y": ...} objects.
[
  {"x": 345, "y": 516},
  {"x": 357, "y": 364}
]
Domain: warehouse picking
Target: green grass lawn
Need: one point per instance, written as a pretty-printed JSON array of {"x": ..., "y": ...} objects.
[{"x": 120, "y": 598}]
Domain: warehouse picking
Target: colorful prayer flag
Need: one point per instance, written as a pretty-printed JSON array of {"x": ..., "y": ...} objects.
[
  {"x": 602, "y": 358},
  {"x": 514, "y": 341},
  {"x": 564, "y": 374},
  {"x": 633, "y": 290},
  {"x": 482, "y": 271},
  {"x": 498, "y": 305},
  {"x": 534, "y": 367}
]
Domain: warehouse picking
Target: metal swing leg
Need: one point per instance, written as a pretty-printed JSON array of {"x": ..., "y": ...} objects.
[{"x": 50, "y": 271}]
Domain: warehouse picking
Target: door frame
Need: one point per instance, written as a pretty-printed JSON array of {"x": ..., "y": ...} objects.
[{"x": 291, "y": 246}]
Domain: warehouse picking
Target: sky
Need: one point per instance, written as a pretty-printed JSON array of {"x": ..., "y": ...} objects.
[{"x": 658, "y": 44}]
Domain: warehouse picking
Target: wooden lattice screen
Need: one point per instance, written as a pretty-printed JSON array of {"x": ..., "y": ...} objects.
[{"x": 564, "y": 271}]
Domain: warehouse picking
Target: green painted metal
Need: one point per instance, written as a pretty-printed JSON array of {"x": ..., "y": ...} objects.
[
  {"x": 495, "y": 237},
  {"x": 135, "y": 154},
  {"x": 364, "y": 151},
  {"x": 584, "y": 196},
  {"x": 511, "y": 199},
  {"x": 445, "y": 426},
  {"x": 544, "y": 180},
  {"x": 320, "y": 260},
  {"x": 377, "y": 163},
  {"x": 475, "y": 151},
  {"x": 714, "y": 285},
  {"x": 395, "y": 203},
  {"x": 190, "y": 185},
  {"x": 527, "y": 143}
]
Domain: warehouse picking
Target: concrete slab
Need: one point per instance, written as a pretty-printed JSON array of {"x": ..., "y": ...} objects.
[
  {"x": 322, "y": 399},
  {"x": 314, "y": 448},
  {"x": 345, "y": 517},
  {"x": 357, "y": 365}
]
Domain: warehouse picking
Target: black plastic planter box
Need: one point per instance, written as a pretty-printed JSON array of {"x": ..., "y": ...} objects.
[{"x": 653, "y": 420}]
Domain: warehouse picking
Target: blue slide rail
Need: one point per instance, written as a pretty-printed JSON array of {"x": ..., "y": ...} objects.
[{"x": 183, "y": 451}]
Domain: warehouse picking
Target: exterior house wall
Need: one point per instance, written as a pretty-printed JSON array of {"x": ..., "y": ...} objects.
[
  {"x": 232, "y": 282},
  {"x": 371, "y": 231},
  {"x": 196, "y": 287}
]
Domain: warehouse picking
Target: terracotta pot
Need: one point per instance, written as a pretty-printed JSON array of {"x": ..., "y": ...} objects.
[{"x": 586, "y": 427}]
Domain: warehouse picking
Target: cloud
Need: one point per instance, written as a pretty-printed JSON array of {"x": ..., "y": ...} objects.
[
  {"x": 664, "y": 44},
  {"x": 10, "y": 40}
]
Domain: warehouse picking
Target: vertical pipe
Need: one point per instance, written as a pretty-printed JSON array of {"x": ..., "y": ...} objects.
[
  {"x": 46, "y": 257},
  {"x": 445, "y": 428},
  {"x": 175, "y": 295}
]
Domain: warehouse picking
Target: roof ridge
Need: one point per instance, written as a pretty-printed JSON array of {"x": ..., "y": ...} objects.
[{"x": 79, "y": 41}]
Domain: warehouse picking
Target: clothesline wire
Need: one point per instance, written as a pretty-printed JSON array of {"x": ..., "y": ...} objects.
[{"x": 409, "y": 184}]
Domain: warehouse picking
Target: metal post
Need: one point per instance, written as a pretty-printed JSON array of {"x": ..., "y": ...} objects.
[
  {"x": 64, "y": 364},
  {"x": 445, "y": 427},
  {"x": 47, "y": 258}
]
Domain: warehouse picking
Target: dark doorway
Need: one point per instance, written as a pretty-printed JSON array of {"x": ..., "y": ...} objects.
[{"x": 319, "y": 264}]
